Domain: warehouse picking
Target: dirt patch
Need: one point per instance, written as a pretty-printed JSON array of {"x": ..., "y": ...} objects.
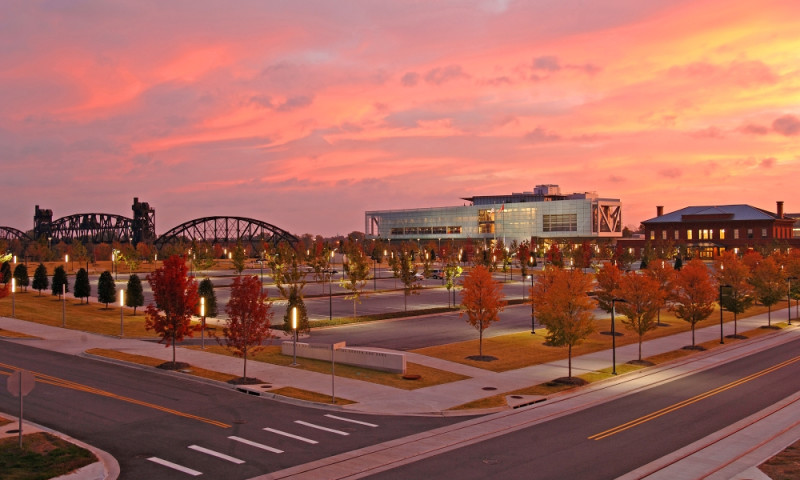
[
  {"x": 785, "y": 464},
  {"x": 570, "y": 381},
  {"x": 246, "y": 381},
  {"x": 174, "y": 366},
  {"x": 482, "y": 358}
]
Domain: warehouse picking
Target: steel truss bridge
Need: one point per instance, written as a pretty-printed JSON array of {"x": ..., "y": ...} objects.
[{"x": 107, "y": 228}]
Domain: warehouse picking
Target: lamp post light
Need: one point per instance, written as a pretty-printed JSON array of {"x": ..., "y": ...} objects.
[
  {"x": 294, "y": 330},
  {"x": 121, "y": 304},
  {"x": 13, "y": 296},
  {"x": 66, "y": 259},
  {"x": 203, "y": 323},
  {"x": 789, "y": 298}
]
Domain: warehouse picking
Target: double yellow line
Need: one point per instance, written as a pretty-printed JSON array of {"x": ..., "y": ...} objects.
[
  {"x": 697, "y": 398},
  {"x": 60, "y": 382}
]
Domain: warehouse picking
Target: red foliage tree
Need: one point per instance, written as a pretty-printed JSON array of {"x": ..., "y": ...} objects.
[
  {"x": 643, "y": 299},
  {"x": 693, "y": 295},
  {"x": 175, "y": 295},
  {"x": 482, "y": 300},
  {"x": 249, "y": 316}
]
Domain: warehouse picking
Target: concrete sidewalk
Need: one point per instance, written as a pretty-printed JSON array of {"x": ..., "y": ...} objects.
[{"x": 373, "y": 398}]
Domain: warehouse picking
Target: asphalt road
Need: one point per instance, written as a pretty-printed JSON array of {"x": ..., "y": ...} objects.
[
  {"x": 143, "y": 417},
  {"x": 566, "y": 448}
]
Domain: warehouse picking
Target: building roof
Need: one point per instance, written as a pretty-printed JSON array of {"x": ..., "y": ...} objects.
[{"x": 716, "y": 212}]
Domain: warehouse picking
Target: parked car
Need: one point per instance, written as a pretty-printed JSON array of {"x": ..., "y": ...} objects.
[
  {"x": 330, "y": 271},
  {"x": 437, "y": 274},
  {"x": 419, "y": 276}
]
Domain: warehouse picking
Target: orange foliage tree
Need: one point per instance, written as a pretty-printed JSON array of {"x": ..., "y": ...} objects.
[
  {"x": 175, "y": 295},
  {"x": 693, "y": 294},
  {"x": 249, "y": 316},
  {"x": 769, "y": 284},
  {"x": 482, "y": 300},
  {"x": 643, "y": 299},
  {"x": 608, "y": 279},
  {"x": 565, "y": 308},
  {"x": 734, "y": 273},
  {"x": 663, "y": 273}
]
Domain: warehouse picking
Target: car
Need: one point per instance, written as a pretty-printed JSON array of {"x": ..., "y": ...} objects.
[
  {"x": 330, "y": 271},
  {"x": 419, "y": 276},
  {"x": 437, "y": 274}
]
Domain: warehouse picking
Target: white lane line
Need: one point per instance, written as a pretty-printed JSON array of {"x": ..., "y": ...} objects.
[
  {"x": 338, "y": 432},
  {"x": 350, "y": 420},
  {"x": 254, "y": 444},
  {"x": 296, "y": 437},
  {"x": 175, "y": 466},
  {"x": 216, "y": 454}
]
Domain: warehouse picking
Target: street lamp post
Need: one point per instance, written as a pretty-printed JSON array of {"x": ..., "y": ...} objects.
[
  {"x": 294, "y": 330},
  {"x": 13, "y": 296},
  {"x": 203, "y": 323},
  {"x": 63, "y": 305},
  {"x": 121, "y": 303},
  {"x": 789, "y": 298},
  {"x": 721, "y": 336},
  {"x": 374, "y": 274},
  {"x": 614, "y": 336}
]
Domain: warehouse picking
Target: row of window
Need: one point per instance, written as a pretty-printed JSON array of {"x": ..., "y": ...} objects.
[
  {"x": 707, "y": 234},
  {"x": 567, "y": 222},
  {"x": 425, "y": 230}
]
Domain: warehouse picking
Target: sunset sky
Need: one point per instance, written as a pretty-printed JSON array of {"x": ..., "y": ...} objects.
[{"x": 304, "y": 114}]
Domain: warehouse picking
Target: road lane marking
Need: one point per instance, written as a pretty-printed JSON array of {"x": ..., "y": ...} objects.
[
  {"x": 689, "y": 401},
  {"x": 217, "y": 454},
  {"x": 60, "y": 382},
  {"x": 175, "y": 466},
  {"x": 296, "y": 437},
  {"x": 254, "y": 444},
  {"x": 319, "y": 427},
  {"x": 350, "y": 420}
]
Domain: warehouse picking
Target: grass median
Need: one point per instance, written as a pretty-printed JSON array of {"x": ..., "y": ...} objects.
[{"x": 42, "y": 456}]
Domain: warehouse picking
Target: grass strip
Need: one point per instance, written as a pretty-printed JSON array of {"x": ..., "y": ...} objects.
[
  {"x": 11, "y": 334},
  {"x": 428, "y": 376},
  {"x": 310, "y": 396},
  {"x": 154, "y": 362},
  {"x": 42, "y": 456}
]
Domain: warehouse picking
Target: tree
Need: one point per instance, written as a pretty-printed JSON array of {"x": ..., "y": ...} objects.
[
  {"x": 407, "y": 271},
  {"x": 249, "y": 316},
  {"x": 82, "y": 288},
  {"x": 693, "y": 294},
  {"x": 564, "y": 307},
  {"x": 608, "y": 280},
  {"x": 175, "y": 294},
  {"x": 60, "y": 283},
  {"x": 203, "y": 257},
  {"x": 239, "y": 258},
  {"x": 106, "y": 288},
  {"x": 40, "y": 280},
  {"x": 734, "y": 274},
  {"x": 78, "y": 251},
  {"x": 290, "y": 279},
  {"x": 206, "y": 290},
  {"x": 5, "y": 272},
  {"x": 21, "y": 274},
  {"x": 130, "y": 256},
  {"x": 134, "y": 296},
  {"x": 663, "y": 274},
  {"x": 769, "y": 285},
  {"x": 357, "y": 274},
  {"x": 482, "y": 299},
  {"x": 643, "y": 298},
  {"x": 452, "y": 270}
]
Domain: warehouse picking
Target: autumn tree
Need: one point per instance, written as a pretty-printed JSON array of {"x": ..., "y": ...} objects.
[
  {"x": 769, "y": 284},
  {"x": 565, "y": 308},
  {"x": 134, "y": 294},
  {"x": 733, "y": 274},
  {"x": 608, "y": 280},
  {"x": 5, "y": 272},
  {"x": 524, "y": 257},
  {"x": 21, "y": 275},
  {"x": 82, "y": 288},
  {"x": 642, "y": 299},
  {"x": 663, "y": 273},
  {"x": 40, "y": 280},
  {"x": 554, "y": 256},
  {"x": 290, "y": 279},
  {"x": 106, "y": 288},
  {"x": 693, "y": 294},
  {"x": 78, "y": 251},
  {"x": 356, "y": 275},
  {"x": 482, "y": 299},
  {"x": 249, "y": 316},
  {"x": 175, "y": 294},
  {"x": 60, "y": 283},
  {"x": 239, "y": 258},
  {"x": 407, "y": 271},
  {"x": 203, "y": 256},
  {"x": 451, "y": 271},
  {"x": 206, "y": 290}
]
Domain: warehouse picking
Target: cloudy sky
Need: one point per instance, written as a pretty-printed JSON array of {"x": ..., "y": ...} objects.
[{"x": 305, "y": 114}]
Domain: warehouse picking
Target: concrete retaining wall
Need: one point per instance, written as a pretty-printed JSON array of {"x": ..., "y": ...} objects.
[{"x": 383, "y": 361}]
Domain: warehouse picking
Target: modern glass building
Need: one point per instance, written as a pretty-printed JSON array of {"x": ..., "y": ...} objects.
[{"x": 545, "y": 213}]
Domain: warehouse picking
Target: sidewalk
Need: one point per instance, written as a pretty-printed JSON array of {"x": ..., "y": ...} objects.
[{"x": 373, "y": 398}]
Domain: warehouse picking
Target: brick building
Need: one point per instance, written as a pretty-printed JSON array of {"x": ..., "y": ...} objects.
[{"x": 710, "y": 230}]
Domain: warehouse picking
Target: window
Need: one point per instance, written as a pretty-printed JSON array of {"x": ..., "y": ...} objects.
[
  {"x": 749, "y": 233},
  {"x": 688, "y": 234},
  {"x": 763, "y": 233},
  {"x": 439, "y": 230},
  {"x": 677, "y": 235},
  {"x": 397, "y": 231},
  {"x": 411, "y": 230},
  {"x": 425, "y": 230},
  {"x": 567, "y": 222},
  {"x": 663, "y": 234},
  {"x": 705, "y": 234},
  {"x": 736, "y": 233},
  {"x": 652, "y": 234},
  {"x": 722, "y": 234},
  {"x": 453, "y": 229}
]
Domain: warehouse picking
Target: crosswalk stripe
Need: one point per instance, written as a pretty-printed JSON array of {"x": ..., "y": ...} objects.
[
  {"x": 216, "y": 454},
  {"x": 296, "y": 437},
  {"x": 254, "y": 444},
  {"x": 350, "y": 420},
  {"x": 319, "y": 427},
  {"x": 175, "y": 466}
]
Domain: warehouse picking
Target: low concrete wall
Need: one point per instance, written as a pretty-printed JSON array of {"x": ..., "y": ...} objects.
[{"x": 383, "y": 361}]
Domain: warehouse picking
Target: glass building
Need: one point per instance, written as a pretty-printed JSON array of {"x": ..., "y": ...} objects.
[{"x": 545, "y": 213}]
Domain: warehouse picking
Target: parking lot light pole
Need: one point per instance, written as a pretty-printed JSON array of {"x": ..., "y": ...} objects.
[
  {"x": 789, "y": 297},
  {"x": 721, "y": 336},
  {"x": 294, "y": 329},
  {"x": 614, "y": 336},
  {"x": 203, "y": 323},
  {"x": 121, "y": 304}
]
